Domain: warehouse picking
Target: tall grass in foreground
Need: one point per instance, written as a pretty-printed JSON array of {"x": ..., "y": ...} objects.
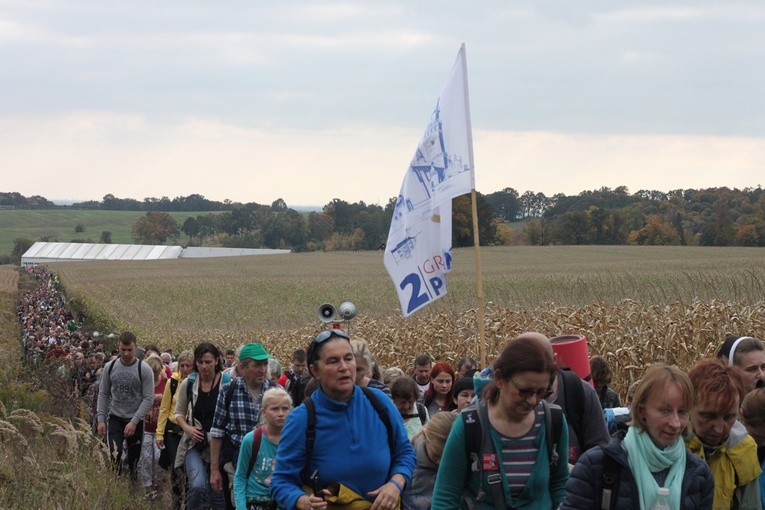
[
  {"x": 55, "y": 463},
  {"x": 47, "y": 461},
  {"x": 635, "y": 307}
]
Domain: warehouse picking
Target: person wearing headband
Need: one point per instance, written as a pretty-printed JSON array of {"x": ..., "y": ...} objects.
[{"x": 747, "y": 354}]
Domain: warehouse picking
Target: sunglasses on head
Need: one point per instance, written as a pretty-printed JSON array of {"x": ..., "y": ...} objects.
[
  {"x": 329, "y": 333},
  {"x": 322, "y": 337}
]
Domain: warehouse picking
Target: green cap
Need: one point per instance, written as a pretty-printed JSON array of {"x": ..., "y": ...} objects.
[{"x": 253, "y": 351}]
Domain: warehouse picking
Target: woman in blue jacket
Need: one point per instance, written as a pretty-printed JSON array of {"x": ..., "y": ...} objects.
[
  {"x": 519, "y": 470},
  {"x": 628, "y": 472},
  {"x": 351, "y": 445}
]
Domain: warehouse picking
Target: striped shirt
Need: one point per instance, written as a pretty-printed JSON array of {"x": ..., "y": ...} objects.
[{"x": 519, "y": 454}]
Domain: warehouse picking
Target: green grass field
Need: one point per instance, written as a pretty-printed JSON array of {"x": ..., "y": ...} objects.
[{"x": 59, "y": 224}]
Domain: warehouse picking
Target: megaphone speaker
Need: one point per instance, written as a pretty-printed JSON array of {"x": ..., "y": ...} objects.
[
  {"x": 326, "y": 313},
  {"x": 347, "y": 310}
]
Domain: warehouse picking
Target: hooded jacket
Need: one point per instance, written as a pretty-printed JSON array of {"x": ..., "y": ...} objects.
[{"x": 735, "y": 468}]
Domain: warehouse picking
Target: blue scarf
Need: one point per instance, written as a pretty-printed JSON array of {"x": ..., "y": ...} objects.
[{"x": 645, "y": 458}]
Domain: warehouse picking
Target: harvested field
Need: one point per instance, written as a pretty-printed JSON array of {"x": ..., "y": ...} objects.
[{"x": 636, "y": 305}]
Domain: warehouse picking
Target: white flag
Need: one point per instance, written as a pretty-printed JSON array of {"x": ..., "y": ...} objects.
[{"x": 418, "y": 250}]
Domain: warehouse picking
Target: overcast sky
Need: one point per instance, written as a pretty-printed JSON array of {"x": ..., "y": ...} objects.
[{"x": 310, "y": 101}]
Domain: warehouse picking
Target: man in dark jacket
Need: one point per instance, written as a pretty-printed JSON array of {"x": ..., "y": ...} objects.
[{"x": 422, "y": 366}]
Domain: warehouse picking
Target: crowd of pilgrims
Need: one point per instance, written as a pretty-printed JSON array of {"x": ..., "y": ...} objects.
[{"x": 212, "y": 429}]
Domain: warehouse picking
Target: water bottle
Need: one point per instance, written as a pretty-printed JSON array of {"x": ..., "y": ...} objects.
[{"x": 662, "y": 499}]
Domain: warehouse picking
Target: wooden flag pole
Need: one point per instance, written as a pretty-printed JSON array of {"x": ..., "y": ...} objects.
[
  {"x": 479, "y": 283},
  {"x": 476, "y": 241}
]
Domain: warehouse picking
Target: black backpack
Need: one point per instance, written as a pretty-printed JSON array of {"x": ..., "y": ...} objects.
[
  {"x": 478, "y": 442},
  {"x": 573, "y": 403},
  {"x": 609, "y": 483},
  {"x": 111, "y": 367},
  {"x": 422, "y": 414},
  {"x": 295, "y": 386},
  {"x": 173, "y": 387}
]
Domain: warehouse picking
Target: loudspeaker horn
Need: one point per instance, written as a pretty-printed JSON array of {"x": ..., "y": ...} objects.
[
  {"x": 347, "y": 310},
  {"x": 326, "y": 313}
]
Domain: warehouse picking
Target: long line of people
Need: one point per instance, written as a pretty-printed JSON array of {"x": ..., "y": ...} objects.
[{"x": 335, "y": 431}]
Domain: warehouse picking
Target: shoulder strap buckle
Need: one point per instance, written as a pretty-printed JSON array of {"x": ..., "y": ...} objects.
[{"x": 494, "y": 478}]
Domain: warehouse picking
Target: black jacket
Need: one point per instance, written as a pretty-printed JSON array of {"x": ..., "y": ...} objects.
[{"x": 584, "y": 486}]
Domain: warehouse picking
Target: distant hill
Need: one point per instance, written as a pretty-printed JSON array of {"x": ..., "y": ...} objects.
[{"x": 60, "y": 225}]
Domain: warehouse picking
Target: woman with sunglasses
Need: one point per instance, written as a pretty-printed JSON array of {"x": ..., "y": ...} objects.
[
  {"x": 351, "y": 443},
  {"x": 519, "y": 470}
]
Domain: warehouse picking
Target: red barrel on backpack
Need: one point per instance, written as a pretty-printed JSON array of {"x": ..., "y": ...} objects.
[{"x": 571, "y": 351}]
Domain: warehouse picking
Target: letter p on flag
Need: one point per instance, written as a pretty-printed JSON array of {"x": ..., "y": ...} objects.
[{"x": 418, "y": 251}]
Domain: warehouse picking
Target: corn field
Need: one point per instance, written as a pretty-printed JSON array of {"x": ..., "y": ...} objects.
[{"x": 635, "y": 305}]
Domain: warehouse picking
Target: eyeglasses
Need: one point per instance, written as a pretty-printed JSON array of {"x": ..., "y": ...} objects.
[
  {"x": 525, "y": 393},
  {"x": 329, "y": 333}
]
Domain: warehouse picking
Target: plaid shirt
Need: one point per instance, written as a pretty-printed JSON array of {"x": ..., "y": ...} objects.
[{"x": 242, "y": 414}]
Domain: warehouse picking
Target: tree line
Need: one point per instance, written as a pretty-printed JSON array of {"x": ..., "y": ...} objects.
[
  {"x": 340, "y": 225},
  {"x": 704, "y": 217}
]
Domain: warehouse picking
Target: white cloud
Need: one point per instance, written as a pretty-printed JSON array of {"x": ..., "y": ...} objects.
[
  {"x": 17, "y": 32},
  {"x": 748, "y": 12},
  {"x": 649, "y": 14},
  {"x": 571, "y": 163},
  {"x": 91, "y": 154}
]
